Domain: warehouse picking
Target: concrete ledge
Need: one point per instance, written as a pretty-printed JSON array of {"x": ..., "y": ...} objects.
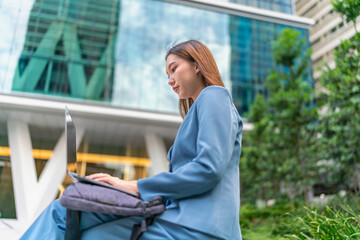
[{"x": 10, "y": 229}]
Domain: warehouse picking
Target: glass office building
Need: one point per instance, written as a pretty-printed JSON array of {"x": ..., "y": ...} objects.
[
  {"x": 113, "y": 51},
  {"x": 107, "y": 58}
]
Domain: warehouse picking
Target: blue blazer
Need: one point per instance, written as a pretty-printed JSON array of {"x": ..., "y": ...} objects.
[{"x": 202, "y": 185}]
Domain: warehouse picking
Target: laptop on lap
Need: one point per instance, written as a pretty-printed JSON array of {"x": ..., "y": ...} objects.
[{"x": 70, "y": 135}]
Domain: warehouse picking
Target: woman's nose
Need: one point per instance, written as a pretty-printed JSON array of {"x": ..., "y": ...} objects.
[{"x": 171, "y": 81}]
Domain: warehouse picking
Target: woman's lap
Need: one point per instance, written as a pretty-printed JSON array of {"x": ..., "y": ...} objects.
[
  {"x": 121, "y": 229},
  {"x": 161, "y": 229},
  {"x": 51, "y": 225}
]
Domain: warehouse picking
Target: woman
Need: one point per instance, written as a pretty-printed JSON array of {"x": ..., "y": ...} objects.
[{"x": 201, "y": 189}]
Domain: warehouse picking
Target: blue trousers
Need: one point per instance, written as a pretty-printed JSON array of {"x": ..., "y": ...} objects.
[{"x": 52, "y": 221}]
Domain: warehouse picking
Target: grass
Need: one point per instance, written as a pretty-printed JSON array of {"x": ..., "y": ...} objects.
[
  {"x": 260, "y": 223},
  {"x": 259, "y": 232},
  {"x": 331, "y": 223},
  {"x": 334, "y": 221}
]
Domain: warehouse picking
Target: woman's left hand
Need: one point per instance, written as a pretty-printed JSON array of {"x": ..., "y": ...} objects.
[{"x": 115, "y": 181}]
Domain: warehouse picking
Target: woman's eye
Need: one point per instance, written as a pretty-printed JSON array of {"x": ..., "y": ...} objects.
[{"x": 173, "y": 69}]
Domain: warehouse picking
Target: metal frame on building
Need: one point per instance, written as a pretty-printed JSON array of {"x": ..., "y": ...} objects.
[{"x": 249, "y": 12}]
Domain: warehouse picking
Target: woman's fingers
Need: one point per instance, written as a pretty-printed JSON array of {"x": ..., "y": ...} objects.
[
  {"x": 95, "y": 176},
  {"x": 106, "y": 178}
]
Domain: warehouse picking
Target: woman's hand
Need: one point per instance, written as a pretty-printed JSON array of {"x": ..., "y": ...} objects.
[{"x": 115, "y": 181}]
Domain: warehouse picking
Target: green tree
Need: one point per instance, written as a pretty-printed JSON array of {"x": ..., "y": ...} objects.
[
  {"x": 349, "y": 9},
  {"x": 341, "y": 102},
  {"x": 282, "y": 144},
  {"x": 292, "y": 114},
  {"x": 257, "y": 174}
]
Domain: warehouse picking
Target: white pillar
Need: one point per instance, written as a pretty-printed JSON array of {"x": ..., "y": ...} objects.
[
  {"x": 32, "y": 196},
  {"x": 157, "y": 152},
  {"x": 22, "y": 169}
]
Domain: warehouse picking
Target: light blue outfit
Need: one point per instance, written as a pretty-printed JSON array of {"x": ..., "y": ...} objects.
[{"x": 201, "y": 189}]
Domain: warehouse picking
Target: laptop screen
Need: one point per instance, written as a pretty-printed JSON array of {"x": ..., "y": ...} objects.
[{"x": 70, "y": 136}]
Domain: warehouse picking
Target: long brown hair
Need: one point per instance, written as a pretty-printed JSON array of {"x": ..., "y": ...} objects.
[{"x": 197, "y": 52}]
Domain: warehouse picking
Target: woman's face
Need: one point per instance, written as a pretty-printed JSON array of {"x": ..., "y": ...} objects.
[{"x": 184, "y": 77}]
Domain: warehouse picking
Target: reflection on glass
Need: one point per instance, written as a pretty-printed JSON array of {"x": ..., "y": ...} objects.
[
  {"x": 147, "y": 28},
  {"x": 117, "y": 57},
  {"x": 284, "y": 6}
]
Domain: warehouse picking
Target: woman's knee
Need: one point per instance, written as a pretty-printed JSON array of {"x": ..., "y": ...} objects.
[
  {"x": 56, "y": 204},
  {"x": 56, "y": 208}
]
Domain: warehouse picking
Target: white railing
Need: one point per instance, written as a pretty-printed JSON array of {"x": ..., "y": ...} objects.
[
  {"x": 317, "y": 8},
  {"x": 324, "y": 22}
]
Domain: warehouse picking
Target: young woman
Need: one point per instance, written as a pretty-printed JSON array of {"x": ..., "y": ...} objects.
[{"x": 201, "y": 189}]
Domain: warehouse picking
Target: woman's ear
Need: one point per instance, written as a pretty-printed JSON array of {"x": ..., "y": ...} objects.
[{"x": 197, "y": 68}]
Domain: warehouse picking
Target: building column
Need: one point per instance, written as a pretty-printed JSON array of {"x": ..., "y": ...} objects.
[
  {"x": 23, "y": 169},
  {"x": 32, "y": 196},
  {"x": 157, "y": 152}
]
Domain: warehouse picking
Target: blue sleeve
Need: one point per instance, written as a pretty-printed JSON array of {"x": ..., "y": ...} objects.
[{"x": 215, "y": 142}]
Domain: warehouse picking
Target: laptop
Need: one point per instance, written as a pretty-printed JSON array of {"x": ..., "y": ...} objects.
[{"x": 70, "y": 134}]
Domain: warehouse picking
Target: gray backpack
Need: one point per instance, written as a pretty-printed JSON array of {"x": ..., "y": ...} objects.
[{"x": 93, "y": 198}]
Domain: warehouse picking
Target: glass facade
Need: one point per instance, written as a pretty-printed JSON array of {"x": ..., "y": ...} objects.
[
  {"x": 284, "y": 6},
  {"x": 117, "y": 57},
  {"x": 251, "y": 58},
  {"x": 68, "y": 49},
  {"x": 147, "y": 29}
]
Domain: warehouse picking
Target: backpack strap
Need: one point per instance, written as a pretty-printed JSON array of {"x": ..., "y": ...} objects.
[
  {"x": 139, "y": 229},
  {"x": 72, "y": 230}
]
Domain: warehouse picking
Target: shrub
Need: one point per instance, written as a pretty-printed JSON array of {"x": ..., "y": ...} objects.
[
  {"x": 331, "y": 223},
  {"x": 252, "y": 216}
]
